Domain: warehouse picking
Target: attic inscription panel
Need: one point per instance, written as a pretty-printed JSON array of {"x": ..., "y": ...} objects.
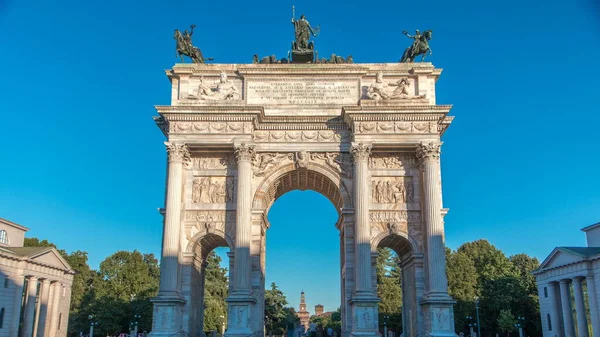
[{"x": 303, "y": 91}]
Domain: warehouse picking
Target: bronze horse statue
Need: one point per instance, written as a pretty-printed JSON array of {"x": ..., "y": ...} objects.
[
  {"x": 184, "y": 46},
  {"x": 420, "y": 47}
]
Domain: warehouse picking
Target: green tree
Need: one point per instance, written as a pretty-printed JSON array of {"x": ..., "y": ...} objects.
[
  {"x": 506, "y": 321},
  {"x": 275, "y": 303},
  {"x": 389, "y": 289},
  {"x": 215, "y": 293},
  {"x": 462, "y": 285}
]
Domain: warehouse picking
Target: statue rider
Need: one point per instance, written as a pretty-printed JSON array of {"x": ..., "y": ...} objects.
[
  {"x": 417, "y": 38},
  {"x": 187, "y": 39}
]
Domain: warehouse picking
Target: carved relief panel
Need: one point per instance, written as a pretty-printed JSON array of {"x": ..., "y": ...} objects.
[
  {"x": 213, "y": 190},
  {"x": 213, "y": 162},
  {"x": 393, "y": 190},
  {"x": 390, "y": 160}
]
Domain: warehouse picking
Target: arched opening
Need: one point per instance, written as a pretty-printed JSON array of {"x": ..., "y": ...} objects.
[
  {"x": 209, "y": 281},
  {"x": 303, "y": 215},
  {"x": 395, "y": 274}
]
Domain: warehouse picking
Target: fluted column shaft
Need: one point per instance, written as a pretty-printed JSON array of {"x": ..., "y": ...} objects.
[
  {"x": 243, "y": 227},
  {"x": 169, "y": 268},
  {"x": 32, "y": 284},
  {"x": 554, "y": 313},
  {"x": 582, "y": 326},
  {"x": 429, "y": 156},
  {"x": 595, "y": 315},
  {"x": 16, "y": 313},
  {"x": 54, "y": 308},
  {"x": 44, "y": 303},
  {"x": 567, "y": 311},
  {"x": 362, "y": 232}
]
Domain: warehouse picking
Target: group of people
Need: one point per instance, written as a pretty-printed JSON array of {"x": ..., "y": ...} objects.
[
  {"x": 207, "y": 190},
  {"x": 385, "y": 192}
]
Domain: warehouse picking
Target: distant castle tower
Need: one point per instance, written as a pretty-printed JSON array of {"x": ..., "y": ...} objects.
[
  {"x": 318, "y": 310},
  {"x": 303, "y": 315}
]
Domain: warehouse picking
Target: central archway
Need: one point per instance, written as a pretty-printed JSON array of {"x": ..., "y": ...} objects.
[{"x": 289, "y": 177}]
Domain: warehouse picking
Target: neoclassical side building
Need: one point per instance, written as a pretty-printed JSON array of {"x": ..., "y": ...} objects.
[
  {"x": 35, "y": 287},
  {"x": 562, "y": 280}
]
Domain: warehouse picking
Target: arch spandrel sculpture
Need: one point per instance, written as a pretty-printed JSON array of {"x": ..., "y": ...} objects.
[{"x": 367, "y": 136}]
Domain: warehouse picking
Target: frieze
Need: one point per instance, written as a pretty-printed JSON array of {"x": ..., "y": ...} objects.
[
  {"x": 396, "y": 127},
  {"x": 301, "y": 136},
  {"x": 210, "y": 128},
  {"x": 395, "y": 216},
  {"x": 389, "y": 160},
  {"x": 212, "y": 163},
  {"x": 393, "y": 190},
  {"x": 210, "y": 216},
  {"x": 210, "y": 190}
]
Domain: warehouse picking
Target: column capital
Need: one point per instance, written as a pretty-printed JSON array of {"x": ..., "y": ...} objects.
[
  {"x": 32, "y": 278},
  {"x": 46, "y": 281},
  {"x": 565, "y": 281},
  {"x": 578, "y": 279},
  {"x": 429, "y": 151},
  {"x": 177, "y": 152},
  {"x": 244, "y": 152},
  {"x": 360, "y": 151}
]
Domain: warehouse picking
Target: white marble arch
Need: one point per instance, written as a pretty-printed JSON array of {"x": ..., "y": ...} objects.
[
  {"x": 315, "y": 177},
  {"x": 194, "y": 275},
  {"x": 413, "y": 282}
]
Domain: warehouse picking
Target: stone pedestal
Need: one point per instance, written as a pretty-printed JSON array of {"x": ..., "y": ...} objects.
[{"x": 167, "y": 316}]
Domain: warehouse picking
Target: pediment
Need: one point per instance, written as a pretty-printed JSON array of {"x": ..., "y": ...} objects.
[
  {"x": 52, "y": 258},
  {"x": 560, "y": 257}
]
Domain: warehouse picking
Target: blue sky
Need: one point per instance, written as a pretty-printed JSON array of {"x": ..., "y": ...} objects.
[{"x": 83, "y": 164}]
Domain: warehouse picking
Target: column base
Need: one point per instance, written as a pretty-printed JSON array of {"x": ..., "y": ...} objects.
[
  {"x": 438, "y": 311},
  {"x": 167, "y": 314},
  {"x": 239, "y": 306},
  {"x": 364, "y": 315}
]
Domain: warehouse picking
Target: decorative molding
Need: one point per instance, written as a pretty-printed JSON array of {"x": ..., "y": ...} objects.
[
  {"x": 177, "y": 152},
  {"x": 395, "y": 127},
  {"x": 301, "y": 136},
  {"x": 395, "y": 216},
  {"x": 210, "y": 127},
  {"x": 210, "y": 216},
  {"x": 360, "y": 151},
  {"x": 393, "y": 190}
]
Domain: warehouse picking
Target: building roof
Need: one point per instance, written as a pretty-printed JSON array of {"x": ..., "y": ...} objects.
[
  {"x": 590, "y": 227},
  {"x": 582, "y": 251},
  {"x": 12, "y": 224},
  {"x": 48, "y": 256}
]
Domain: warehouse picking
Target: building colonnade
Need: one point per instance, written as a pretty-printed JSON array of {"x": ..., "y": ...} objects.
[
  {"x": 41, "y": 308},
  {"x": 560, "y": 318}
]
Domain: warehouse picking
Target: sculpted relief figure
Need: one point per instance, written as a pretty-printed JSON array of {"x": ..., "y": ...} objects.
[
  {"x": 224, "y": 91},
  {"x": 206, "y": 190},
  {"x": 265, "y": 162},
  {"x": 380, "y": 90},
  {"x": 302, "y": 159},
  {"x": 388, "y": 192}
]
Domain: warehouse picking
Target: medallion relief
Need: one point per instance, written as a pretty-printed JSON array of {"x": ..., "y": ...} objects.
[
  {"x": 393, "y": 190},
  {"x": 212, "y": 190}
]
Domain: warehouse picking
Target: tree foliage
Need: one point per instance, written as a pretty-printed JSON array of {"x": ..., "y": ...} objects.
[
  {"x": 215, "y": 292},
  {"x": 502, "y": 285},
  {"x": 506, "y": 321},
  {"x": 275, "y": 313},
  {"x": 389, "y": 288}
]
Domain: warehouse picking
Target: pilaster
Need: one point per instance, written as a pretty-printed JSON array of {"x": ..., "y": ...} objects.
[
  {"x": 554, "y": 309},
  {"x": 567, "y": 310},
  {"x": 28, "y": 319},
  {"x": 44, "y": 306},
  {"x": 582, "y": 325}
]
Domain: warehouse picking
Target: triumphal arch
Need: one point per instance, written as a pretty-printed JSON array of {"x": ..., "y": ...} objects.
[{"x": 366, "y": 136}]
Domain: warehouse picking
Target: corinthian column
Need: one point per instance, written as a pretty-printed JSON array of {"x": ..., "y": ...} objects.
[
  {"x": 429, "y": 156},
  {"x": 362, "y": 232},
  {"x": 240, "y": 300},
  {"x": 32, "y": 284},
  {"x": 178, "y": 154},
  {"x": 44, "y": 306},
  {"x": 243, "y": 226}
]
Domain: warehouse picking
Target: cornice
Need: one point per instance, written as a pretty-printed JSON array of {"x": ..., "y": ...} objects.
[
  {"x": 221, "y": 109},
  {"x": 397, "y": 109}
]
